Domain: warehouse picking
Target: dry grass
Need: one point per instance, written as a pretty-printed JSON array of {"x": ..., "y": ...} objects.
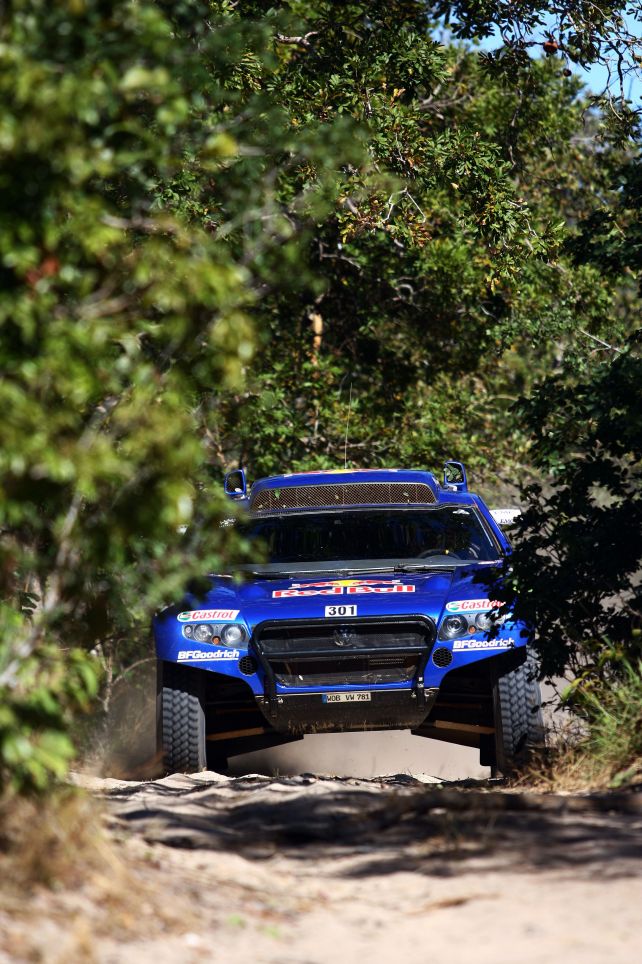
[
  {"x": 599, "y": 745},
  {"x": 57, "y": 842},
  {"x": 61, "y": 867},
  {"x": 580, "y": 759},
  {"x": 578, "y": 769}
]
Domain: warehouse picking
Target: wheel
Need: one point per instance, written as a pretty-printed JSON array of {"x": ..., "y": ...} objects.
[
  {"x": 182, "y": 720},
  {"x": 519, "y": 725}
]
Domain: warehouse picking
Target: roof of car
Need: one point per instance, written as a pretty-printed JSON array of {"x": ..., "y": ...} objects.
[{"x": 325, "y": 476}]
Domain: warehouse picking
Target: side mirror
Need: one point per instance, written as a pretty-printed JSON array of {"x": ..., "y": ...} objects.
[
  {"x": 235, "y": 484},
  {"x": 455, "y": 477}
]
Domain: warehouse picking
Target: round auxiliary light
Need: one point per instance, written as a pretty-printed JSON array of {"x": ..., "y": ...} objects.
[
  {"x": 232, "y": 634},
  {"x": 202, "y": 633},
  {"x": 454, "y": 626},
  {"x": 484, "y": 621}
]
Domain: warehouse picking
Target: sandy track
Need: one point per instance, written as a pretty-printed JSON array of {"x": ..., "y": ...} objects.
[{"x": 306, "y": 869}]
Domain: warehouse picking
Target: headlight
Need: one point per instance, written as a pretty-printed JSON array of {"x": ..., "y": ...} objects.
[
  {"x": 484, "y": 621},
  {"x": 202, "y": 633},
  {"x": 454, "y": 626},
  {"x": 233, "y": 634}
]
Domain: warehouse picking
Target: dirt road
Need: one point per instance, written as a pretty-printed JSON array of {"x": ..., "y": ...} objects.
[{"x": 308, "y": 869}]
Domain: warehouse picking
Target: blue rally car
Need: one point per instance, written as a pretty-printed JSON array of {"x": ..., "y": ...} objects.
[{"x": 370, "y": 610}]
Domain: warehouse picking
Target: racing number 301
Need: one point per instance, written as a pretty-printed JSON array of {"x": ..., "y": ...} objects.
[{"x": 341, "y": 610}]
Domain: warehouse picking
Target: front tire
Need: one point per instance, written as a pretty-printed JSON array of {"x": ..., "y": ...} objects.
[
  {"x": 519, "y": 725},
  {"x": 182, "y": 720}
]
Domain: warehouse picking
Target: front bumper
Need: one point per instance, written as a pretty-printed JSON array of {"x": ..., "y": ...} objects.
[
  {"x": 302, "y": 658},
  {"x": 385, "y": 710}
]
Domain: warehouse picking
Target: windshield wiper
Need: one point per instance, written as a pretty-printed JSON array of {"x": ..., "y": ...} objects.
[
  {"x": 270, "y": 575},
  {"x": 332, "y": 573},
  {"x": 429, "y": 567},
  {"x": 329, "y": 573}
]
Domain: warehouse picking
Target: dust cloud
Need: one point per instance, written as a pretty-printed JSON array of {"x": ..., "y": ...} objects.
[
  {"x": 122, "y": 742},
  {"x": 364, "y": 755}
]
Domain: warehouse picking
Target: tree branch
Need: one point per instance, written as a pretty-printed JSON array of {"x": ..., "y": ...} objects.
[
  {"x": 604, "y": 344},
  {"x": 303, "y": 41}
]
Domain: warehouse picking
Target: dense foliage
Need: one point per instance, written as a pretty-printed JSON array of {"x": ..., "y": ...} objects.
[
  {"x": 218, "y": 222},
  {"x": 440, "y": 285},
  {"x": 579, "y": 560},
  {"x": 578, "y": 569},
  {"x": 119, "y": 314}
]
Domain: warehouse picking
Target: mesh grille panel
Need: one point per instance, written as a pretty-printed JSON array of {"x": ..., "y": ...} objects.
[
  {"x": 353, "y": 671},
  {"x": 355, "y": 652},
  {"x": 352, "y": 637},
  {"x": 342, "y": 494},
  {"x": 247, "y": 665},
  {"x": 442, "y": 657}
]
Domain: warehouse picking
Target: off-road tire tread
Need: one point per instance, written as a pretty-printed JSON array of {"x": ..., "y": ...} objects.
[
  {"x": 519, "y": 722},
  {"x": 182, "y": 722}
]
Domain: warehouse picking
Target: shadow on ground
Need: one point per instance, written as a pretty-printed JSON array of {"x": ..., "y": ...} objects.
[{"x": 388, "y": 825}]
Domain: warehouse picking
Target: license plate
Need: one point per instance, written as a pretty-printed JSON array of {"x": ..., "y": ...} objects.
[{"x": 346, "y": 697}]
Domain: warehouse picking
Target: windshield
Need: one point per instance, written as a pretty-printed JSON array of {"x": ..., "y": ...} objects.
[{"x": 374, "y": 536}]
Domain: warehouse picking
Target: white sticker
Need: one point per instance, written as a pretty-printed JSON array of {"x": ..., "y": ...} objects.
[
  {"x": 341, "y": 610},
  {"x": 505, "y": 517},
  {"x": 472, "y": 605},
  {"x": 206, "y": 615},
  {"x": 470, "y": 644},
  {"x": 202, "y": 655}
]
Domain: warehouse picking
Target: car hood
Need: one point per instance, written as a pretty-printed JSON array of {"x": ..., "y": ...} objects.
[{"x": 373, "y": 594}]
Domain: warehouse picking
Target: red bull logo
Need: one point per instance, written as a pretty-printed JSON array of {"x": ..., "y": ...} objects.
[{"x": 340, "y": 587}]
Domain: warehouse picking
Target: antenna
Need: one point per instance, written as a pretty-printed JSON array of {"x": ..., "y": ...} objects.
[{"x": 345, "y": 444}]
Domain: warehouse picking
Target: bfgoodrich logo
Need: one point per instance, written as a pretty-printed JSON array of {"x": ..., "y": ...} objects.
[
  {"x": 470, "y": 644},
  {"x": 201, "y": 655}
]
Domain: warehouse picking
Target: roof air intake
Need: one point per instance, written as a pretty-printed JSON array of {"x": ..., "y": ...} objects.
[{"x": 340, "y": 494}]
